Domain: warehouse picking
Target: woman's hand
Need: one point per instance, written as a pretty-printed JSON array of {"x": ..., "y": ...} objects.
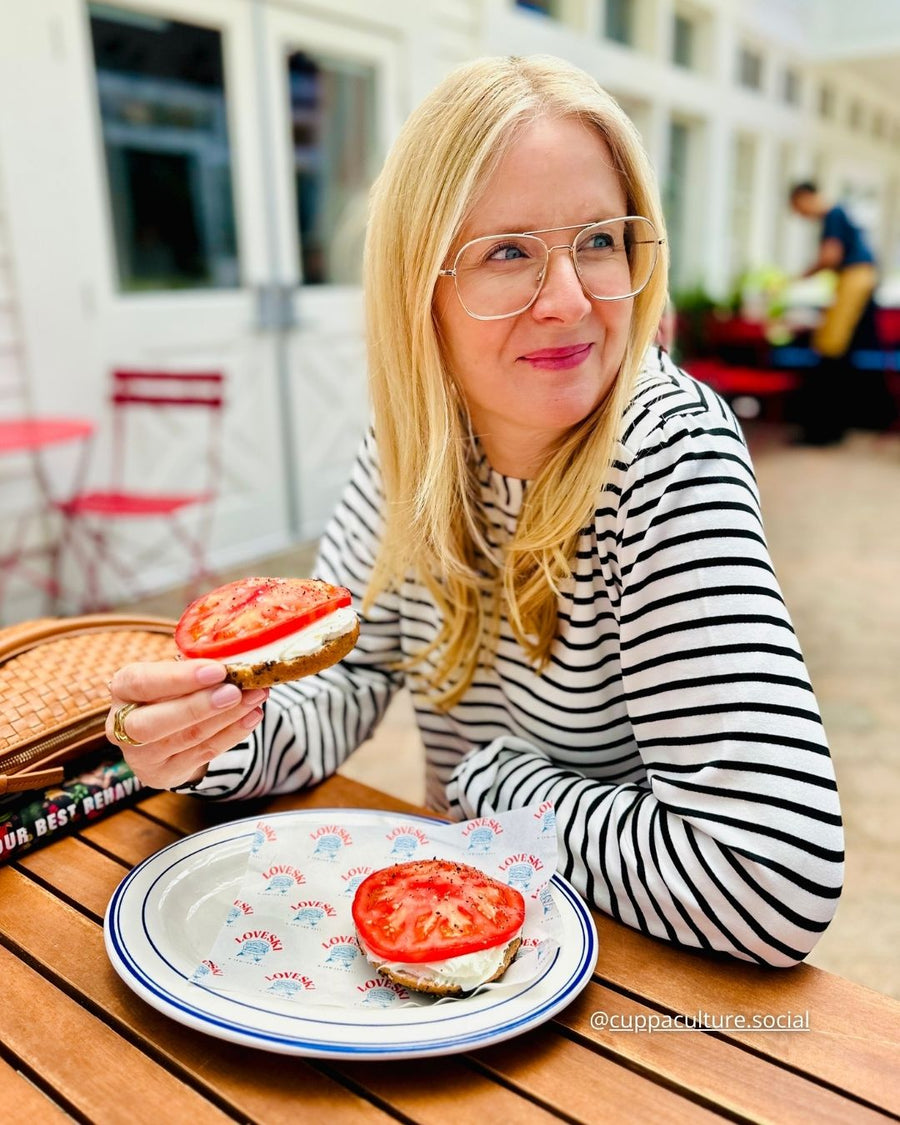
[{"x": 184, "y": 717}]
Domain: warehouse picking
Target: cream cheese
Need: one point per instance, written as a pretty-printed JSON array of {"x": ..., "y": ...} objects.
[
  {"x": 302, "y": 642},
  {"x": 467, "y": 971}
]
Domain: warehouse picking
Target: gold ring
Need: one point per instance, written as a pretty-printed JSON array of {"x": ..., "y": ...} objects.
[{"x": 119, "y": 731}]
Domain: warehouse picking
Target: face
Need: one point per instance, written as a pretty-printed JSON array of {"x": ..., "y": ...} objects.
[
  {"x": 528, "y": 379},
  {"x": 805, "y": 203}
]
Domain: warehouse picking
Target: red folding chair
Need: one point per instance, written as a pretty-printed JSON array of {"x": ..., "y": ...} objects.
[{"x": 180, "y": 416}]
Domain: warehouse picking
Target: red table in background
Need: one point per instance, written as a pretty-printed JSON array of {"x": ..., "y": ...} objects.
[{"x": 32, "y": 435}]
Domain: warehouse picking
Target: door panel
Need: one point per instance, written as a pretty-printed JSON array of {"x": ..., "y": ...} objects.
[{"x": 334, "y": 103}]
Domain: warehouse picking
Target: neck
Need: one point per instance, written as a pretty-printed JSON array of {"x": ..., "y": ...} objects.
[{"x": 520, "y": 456}]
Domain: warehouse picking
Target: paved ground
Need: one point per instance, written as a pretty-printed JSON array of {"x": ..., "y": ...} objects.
[{"x": 834, "y": 533}]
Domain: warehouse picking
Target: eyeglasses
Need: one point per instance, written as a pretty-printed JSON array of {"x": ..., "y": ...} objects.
[{"x": 501, "y": 275}]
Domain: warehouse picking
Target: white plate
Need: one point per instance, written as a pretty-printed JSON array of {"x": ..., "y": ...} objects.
[{"x": 162, "y": 919}]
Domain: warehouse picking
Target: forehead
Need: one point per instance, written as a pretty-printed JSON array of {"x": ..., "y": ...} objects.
[{"x": 556, "y": 172}]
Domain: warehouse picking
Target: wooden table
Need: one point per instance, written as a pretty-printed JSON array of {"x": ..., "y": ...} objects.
[{"x": 75, "y": 1037}]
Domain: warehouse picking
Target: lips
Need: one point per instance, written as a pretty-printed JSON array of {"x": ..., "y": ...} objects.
[{"x": 554, "y": 359}]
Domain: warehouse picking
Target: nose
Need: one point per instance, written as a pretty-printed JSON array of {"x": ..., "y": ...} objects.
[{"x": 562, "y": 296}]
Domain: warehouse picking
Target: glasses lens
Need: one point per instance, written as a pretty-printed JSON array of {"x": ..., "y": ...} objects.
[
  {"x": 499, "y": 276},
  {"x": 616, "y": 258}
]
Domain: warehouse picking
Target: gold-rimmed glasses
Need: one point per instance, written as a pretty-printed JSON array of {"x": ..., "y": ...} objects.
[{"x": 501, "y": 275}]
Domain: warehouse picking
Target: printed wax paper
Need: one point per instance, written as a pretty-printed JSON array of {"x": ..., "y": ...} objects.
[{"x": 289, "y": 933}]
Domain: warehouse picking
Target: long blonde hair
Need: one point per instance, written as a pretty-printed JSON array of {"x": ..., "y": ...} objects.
[{"x": 434, "y": 526}]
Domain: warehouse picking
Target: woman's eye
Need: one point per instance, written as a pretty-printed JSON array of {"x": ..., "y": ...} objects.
[
  {"x": 508, "y": 252},
  {"x": 601, "y": 240}
]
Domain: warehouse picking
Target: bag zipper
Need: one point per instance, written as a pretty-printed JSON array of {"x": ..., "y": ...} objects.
[{"x": 20, "y": 759}]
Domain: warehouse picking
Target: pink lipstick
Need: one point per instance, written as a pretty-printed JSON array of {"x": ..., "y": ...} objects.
[{"x": 558, "y": 359}]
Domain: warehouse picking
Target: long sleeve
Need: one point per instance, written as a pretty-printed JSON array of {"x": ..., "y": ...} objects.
[
  {"x": 732, "y": 840},
  {"x": 311, "y": 726}
]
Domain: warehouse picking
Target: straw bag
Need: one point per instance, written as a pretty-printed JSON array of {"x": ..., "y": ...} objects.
[{"x": 54, "y": 688}]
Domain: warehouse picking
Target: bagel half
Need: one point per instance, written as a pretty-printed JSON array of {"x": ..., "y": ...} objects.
[
  {"x": 436, "y": 987},
  {"x": 271, "y": 672}
]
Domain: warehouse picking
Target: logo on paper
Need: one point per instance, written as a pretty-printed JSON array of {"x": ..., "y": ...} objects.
[
  {"x": 354, "y": 877},
  {"x": 257, "y": 944},
  {"x": 206, "y": 969},
  {"x": 481, "y": 835},
  {"x": 342, "y": 952},
  {"x": 264, "y": 834},
  {"x": 310, "y": 915},
  {"x": 281, "y": 878},
  {"x": 521, "y": 869},
  {"x": 406, "y": 841},
  {"x": 238, "y": 910},
  {"x": 380, "y": 992},
  {"x": 545, "y": 898},
  {"x": 546, "y": 814},
  {"x": 289, "y": 985},
  {"x": 330, "y": 841}
]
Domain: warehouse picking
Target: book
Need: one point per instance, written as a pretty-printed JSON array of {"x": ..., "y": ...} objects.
[{"x": 96, "y": 786}]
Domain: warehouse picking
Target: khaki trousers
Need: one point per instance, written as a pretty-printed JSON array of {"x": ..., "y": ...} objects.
[{"x": 854, "y": 288}]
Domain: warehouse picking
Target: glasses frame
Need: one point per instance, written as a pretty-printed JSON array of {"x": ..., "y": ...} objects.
[{"x": 542, "y": 277}]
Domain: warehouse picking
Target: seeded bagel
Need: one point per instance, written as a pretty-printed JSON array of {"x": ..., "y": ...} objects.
[
  {"x": 436, "y": 987},
  {"x": 280, "y": 671}
]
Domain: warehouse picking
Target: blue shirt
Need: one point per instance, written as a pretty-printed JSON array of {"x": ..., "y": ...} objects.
[{"x": 839, "y": 225}]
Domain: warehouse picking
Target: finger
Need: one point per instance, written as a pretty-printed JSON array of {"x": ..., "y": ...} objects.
[
  {"x": 188, "y": 719},
  {"x": 162, "y": 771},
  {"x": 144, "y": 682}
]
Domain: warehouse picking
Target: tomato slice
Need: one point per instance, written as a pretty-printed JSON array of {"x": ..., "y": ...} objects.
[
  {"x": 432, "y": 909},
  {"x": 254, "y": 611}
]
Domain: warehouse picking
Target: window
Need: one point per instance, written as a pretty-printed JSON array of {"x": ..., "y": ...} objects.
[
  {"x": 879, "y": 125},
  {"x": 544, "y": 7},
  {"x": 750, "y": 68},
  {"x": 790, "y": 88},
  {"x": 161, "y": 89},
  {"x": 619, "y": 22},
  {"x": 335, "y": 151},
  {"x": 826, "y": 100},
  {"x": 683, "y": 41},
  {"x": 855, "y": 115}
]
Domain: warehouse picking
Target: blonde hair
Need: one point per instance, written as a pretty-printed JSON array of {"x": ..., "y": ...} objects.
[{"x": 434, "y": 524}]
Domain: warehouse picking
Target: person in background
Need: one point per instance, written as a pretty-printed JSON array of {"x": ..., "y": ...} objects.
[
  {"x": 847, "y": 323},
  {"x": 553, "y": 538}
]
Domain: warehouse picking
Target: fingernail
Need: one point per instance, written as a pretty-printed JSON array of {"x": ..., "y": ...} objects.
[
  {"x": 251, "y": 698},
  {"x": 210, "y": 673},
  {"x": 250, "y": 720},
  {"x": 226, "y": 696}
]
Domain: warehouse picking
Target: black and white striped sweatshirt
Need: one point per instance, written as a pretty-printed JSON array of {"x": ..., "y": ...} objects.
[{"x": 675, "y": 729}]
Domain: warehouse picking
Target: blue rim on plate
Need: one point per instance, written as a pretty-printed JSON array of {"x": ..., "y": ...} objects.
[{"x": 142, "y": 953}]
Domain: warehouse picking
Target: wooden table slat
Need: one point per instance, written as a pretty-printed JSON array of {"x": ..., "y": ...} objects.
[
  {"x": 597, "y": 1088},
  {"x": 448, "y": 1090},
  {"x": 190, "y": 814},
  {"x": 77, "y": 872},
  {"x": 129, "y": 836},
  {"x": 86, "y": 1061},
  {"x": 20, "y": 1097}
]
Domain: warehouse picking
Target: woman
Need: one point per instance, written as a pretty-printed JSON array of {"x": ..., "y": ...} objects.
[{"x": 555, "y": 539}]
